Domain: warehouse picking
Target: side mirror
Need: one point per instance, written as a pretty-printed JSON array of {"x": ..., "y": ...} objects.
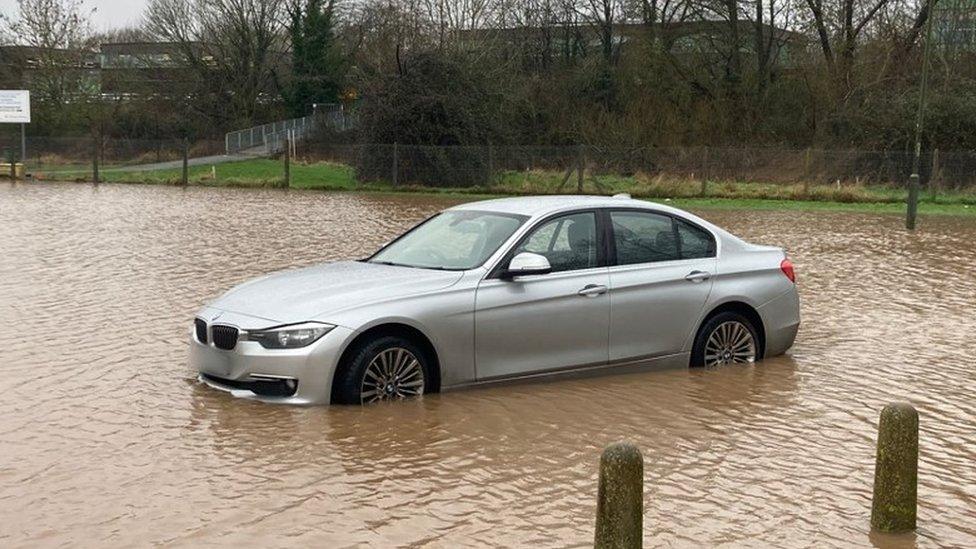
[{"x": 527, "y": 263}]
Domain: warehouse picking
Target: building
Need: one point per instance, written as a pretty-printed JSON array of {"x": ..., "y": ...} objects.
[
  {"x": 29, "y": 67},
  {"x": 145, "y": 68},
  {"x": 699, "y": 38},
  {"x": 114, "y": 70}
]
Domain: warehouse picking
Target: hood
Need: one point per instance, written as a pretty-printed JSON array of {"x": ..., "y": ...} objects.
[{"x": 312, "y": 293}]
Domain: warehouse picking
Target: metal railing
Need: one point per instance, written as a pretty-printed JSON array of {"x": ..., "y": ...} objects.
[
  {"x": 268, "y": 138},
  {"x": 335, "y": 116}
]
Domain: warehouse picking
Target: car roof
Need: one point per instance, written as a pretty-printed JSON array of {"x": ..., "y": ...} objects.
[{"x": 541, "y": 205}]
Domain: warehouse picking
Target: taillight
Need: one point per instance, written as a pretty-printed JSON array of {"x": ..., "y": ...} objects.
[{"x": 787, "y": 266}]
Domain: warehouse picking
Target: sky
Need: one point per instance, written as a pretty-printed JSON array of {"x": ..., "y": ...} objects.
[{"x": 109, "y": 14}]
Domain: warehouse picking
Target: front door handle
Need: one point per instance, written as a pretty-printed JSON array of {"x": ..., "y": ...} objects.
[
  {"x": 698, "y": 276},
  {"x": 592, "y": 290}
]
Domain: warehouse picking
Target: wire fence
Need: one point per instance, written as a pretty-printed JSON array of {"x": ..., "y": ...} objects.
[
  {"x": 79, "y": 156},
  {"x": 464, "y": 166},
  {"x": 528, "y": 168}
]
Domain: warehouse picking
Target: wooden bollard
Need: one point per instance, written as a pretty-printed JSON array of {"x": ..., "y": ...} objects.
[
  {"x": 96, "y": 152},
  {"x": 895, "y": 502},
  {"x": 287, "y": 180},
  {"x": 185, "y": 175},
  {"x": 620, "y": 498}
]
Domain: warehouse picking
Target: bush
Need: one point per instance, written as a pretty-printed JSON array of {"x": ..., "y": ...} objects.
[{"x": 434, "y": 110}]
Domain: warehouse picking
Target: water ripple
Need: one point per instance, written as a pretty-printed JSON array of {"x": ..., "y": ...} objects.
[{"x": 108, "y": 441}]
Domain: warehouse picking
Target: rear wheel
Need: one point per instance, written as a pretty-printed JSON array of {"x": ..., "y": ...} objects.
[
  {"x": 726, "y": 338},
  {"x": 386, "y": 368}
]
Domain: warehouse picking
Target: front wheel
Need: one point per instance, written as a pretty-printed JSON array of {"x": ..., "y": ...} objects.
[
  {"x": 726, "y": 338},
  {"x": 386, "y": 368}
]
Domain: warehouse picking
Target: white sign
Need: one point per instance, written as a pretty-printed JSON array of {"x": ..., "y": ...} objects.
[{"x": 14, "y": 107}]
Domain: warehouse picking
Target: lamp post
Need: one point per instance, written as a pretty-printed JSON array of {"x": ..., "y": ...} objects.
[{"x": 913, "y": 180}]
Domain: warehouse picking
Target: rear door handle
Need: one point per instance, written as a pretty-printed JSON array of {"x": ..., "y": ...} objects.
[
  {"x": 592, "y": 290},
  {"x": 698, "y": 276}
]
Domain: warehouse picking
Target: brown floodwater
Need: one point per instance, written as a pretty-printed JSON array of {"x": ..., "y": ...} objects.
[{"x": 107, "y": 440}]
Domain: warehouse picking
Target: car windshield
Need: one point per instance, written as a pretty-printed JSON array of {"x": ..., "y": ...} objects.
[{"x": 452, "y": 240}]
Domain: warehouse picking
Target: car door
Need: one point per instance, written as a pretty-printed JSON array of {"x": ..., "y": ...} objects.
[
  {"x": 549, "y": 321},
  {"x": 660, "y": 277}
]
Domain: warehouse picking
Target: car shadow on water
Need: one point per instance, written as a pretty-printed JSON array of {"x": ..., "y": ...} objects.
[
  {"x": 520, "y": 458},
  {"x": 635, "y": 404}
]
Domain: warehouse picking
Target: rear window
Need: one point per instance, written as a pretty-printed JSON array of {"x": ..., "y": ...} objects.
[
  {"x": 695, "y": 242},
  {"x": 643, "y": 237}
]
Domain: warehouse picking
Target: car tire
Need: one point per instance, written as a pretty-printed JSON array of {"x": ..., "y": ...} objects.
[
  {"x": 384, "y": 368},
  {"x": 726, "y": 338}
]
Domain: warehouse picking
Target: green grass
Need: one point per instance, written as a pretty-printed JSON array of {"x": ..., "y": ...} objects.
[
  {"x": 679, "y": 192},
  {"x": 924, "y": 208},
  {"x": 642, "y": 185},
  {"x": 247, "y": 173}
]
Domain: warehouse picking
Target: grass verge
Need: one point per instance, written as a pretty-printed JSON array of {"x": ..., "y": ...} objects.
[{"x": 680, "y": 192}]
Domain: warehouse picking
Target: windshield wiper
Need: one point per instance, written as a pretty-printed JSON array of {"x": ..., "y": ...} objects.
[{"x": 431, "y": 267}]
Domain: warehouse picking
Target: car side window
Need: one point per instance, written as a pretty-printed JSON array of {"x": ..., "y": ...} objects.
[
  {"x": 695, "y": 242},
  {"x": 642, "y": 237},
  {"x": 568, "y": 242}
]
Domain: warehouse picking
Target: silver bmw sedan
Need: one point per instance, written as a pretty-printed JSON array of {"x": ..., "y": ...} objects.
[{"x": 501, "y": 290}]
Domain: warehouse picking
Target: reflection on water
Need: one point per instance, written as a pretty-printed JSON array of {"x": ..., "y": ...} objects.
[{"x": 108, "y": 440}]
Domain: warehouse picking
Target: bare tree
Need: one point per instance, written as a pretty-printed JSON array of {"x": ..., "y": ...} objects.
[
  {"x": 49, "y": 24},
  {"x": 918, "y": 22},
  {"x": 232, "y": 46},
  {"x": 378, "y": 31},
  {"x": 770, "y": 20},
  {"x": 604, "y": 16},
  {"x": 840, "y": 25},
  {"x": 120, "y": 35},
  {"x": 56, "y": 35},
  {"x": 660, "y": 17},
  {"x": 449, "y": 17},
  {"x": 537, "y": 33}
]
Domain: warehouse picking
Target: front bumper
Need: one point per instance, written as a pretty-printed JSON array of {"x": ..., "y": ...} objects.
[{"x": 250, "y": 366}]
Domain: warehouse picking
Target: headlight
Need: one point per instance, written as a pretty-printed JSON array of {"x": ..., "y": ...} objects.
[{"x": 290, "y": 337}]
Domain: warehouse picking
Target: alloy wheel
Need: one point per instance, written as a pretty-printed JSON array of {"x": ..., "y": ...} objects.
[
  {"x": 730, "y": 343},
  {"x": 393, "y": 374}
]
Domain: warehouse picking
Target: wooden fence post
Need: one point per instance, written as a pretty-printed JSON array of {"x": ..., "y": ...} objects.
[
  {"x": 96, "y": 150},
  {"x": 186, "y": 163},
  {"x": 706, "y": 170},
  {"x": 396, "y": 164},
  {"x": 807, "y": 164},
  {"x": 935, "y": 178},
  {"x": 491, "y": 164},
  {"x": 580, "y": 166},
  {"x": 9, "y": 154},
  {"x": 287, "y": 157}
]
